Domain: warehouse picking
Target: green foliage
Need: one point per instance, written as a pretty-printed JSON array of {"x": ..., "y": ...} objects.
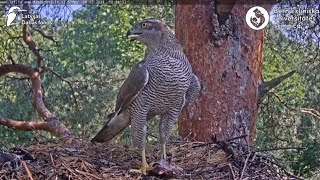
[
  {"x": 280, "y": 122},
  {"x": 305, "y": 162},
  {"x": 92, "y": 53}
]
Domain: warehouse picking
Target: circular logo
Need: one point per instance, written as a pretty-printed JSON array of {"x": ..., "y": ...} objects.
[{"x": 257, "y": 18}]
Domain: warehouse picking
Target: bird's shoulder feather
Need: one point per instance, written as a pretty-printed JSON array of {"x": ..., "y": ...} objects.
[{"x": 131, "y": 87}]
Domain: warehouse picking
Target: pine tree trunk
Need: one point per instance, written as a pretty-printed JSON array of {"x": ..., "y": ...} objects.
[{"x": 227, "y": 58}]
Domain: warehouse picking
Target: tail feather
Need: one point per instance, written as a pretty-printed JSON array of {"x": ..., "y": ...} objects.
[{"x": 112, "y": 128}]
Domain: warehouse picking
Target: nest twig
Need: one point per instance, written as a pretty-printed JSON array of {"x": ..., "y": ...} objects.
[{"x": 57, "y": 160}]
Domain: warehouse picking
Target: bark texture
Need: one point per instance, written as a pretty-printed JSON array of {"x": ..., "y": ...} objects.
[
  {"x": 51, "y": 123},
  {"x": 227, "y": 58}
]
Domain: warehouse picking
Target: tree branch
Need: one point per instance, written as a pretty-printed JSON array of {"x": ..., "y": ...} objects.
[
  {"x": 43, "y": 112},
  {"x": 53, "y": 126},
  {"x": 44, "y": 35},
  {"x": 18, "y": 79},
  {"x": 265, "y": 87},
  {"x": 51, "y": 123},
  {"x": 27, "y": 36},
  {"x": 36, "y": 85},
  {"x": 312, "y": 112},
  {"x": 25, "y": 166},
  {"x": 280, "y": 148},
  {"x": 17, "y": 68},
  {"x": 70, "y": 85}
]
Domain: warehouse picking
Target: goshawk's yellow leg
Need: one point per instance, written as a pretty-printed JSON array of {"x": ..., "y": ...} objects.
[
  {"x": 163, "y": 151},
  {"x": 144, "y": 166}
]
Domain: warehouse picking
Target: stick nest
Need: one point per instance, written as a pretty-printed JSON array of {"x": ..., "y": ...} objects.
[{"x": 85, "y": 160}]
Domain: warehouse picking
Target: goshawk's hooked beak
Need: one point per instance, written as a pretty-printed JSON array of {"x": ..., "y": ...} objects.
[{"x": 132, "y": 34}]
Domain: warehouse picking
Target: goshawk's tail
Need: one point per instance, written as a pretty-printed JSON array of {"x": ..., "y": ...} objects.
[{"x": 113, "y": 127}]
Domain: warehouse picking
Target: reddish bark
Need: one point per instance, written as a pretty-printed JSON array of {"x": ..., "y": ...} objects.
[
  {"x": 27, "y": 37},
  {"x": 52, "y": 124},
  {"x": 229, "y": 68},
  {"x": 49, "y": 126},
  {"x": 36, "y": 85}
]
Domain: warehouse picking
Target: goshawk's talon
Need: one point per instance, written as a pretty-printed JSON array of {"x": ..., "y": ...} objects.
[
  {"x": 137, "y": 171},
  {"x": 143, "y": 170}
]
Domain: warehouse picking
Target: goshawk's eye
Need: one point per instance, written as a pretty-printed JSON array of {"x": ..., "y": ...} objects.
[{"x": 144, "y": 25}]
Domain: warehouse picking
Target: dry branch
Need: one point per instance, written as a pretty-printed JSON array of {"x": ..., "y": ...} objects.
[
  {"x": 52, "y": 126},
  {"x": 36, "y": 51},
  {"x": 56, "y": 127},
  {"x": 70, "y": 85},
  {"x": 51, "y": 123},
  {"x": 27, "y": 36},
  {"x": 44, "y": 35},
  {"x": 280, "y": 148},
  {"x": 113, "y": 161},
  {"x": 25, "y": 166},
  {"x": 244, "y": 166},
  {"x": 312, "y": 112},
  {"x": 36, "y": 85},
  {"x": 265, "y": 87},
  {"x": 215, "y": 141}
]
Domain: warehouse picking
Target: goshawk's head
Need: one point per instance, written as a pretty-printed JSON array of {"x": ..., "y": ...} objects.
[{"x": 150, "y": 31}]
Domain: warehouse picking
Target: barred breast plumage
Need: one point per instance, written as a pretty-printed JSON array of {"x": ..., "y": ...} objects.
[
  {"x": 161, "y": 84},
  {"x": 169, "y": 80}
]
